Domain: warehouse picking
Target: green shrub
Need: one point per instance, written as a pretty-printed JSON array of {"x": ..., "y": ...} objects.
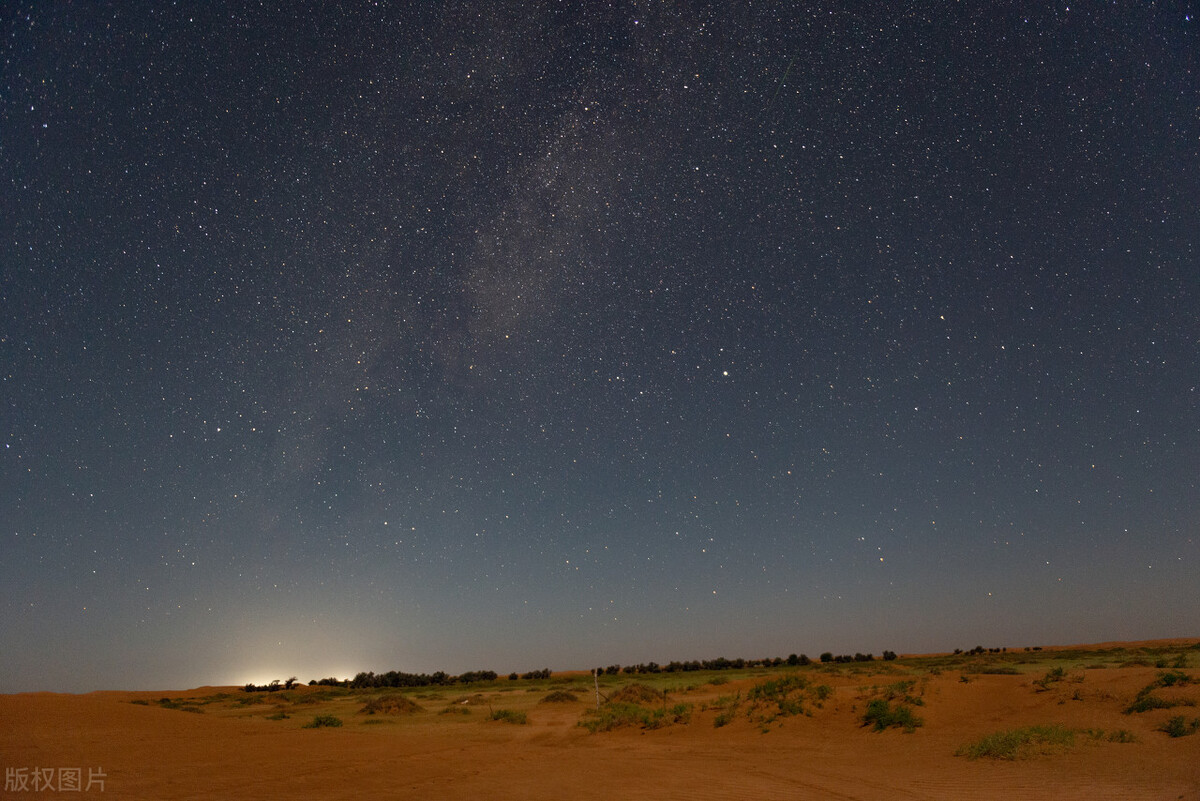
[
  {"x": 510, "y": 716},
  {"x": 559, "y": 697},
  {"x": 1019, "y": 743},
  {"x": 1052, "y": 676},
  {"x": 615, "y": 715},
  {"x": 883, "y": 716},
  {"x": 637, "y": 693},
  {"x": 1171, "y": 679},
  {"x": 323, "y": 721},
  {"x": 1146, "y": 700},
  {"x": 391, "y": 705},
  {"x": 1179, "y": 727}
]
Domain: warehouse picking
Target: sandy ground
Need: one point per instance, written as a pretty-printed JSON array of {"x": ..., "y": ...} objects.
[{"x": 233, "y": 750}]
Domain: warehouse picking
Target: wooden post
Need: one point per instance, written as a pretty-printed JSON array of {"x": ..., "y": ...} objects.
[{"x": 596, "y": 681}]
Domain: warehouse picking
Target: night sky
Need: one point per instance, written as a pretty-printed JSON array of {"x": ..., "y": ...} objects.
[{"x": 472, "y": 335}]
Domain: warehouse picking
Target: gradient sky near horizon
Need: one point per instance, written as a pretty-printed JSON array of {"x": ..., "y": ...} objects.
[{"x": 465, "y": 335}]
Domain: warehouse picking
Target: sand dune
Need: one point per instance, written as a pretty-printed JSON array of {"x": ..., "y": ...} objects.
[{"x": 243, "y": 746}]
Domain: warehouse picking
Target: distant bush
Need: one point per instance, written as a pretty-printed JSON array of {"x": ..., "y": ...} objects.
[
  {"x": 323, "y": 721},
  {"x": 396, "y": 678},
  {"x": 559, "y": 697},
  {"x": 883, "y": 715},
  {"x": 1019, "y": 743}
]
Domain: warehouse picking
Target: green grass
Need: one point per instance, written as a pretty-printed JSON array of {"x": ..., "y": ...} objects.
[
  {"x": 323, "y": 721},
  {"x": 1020, "y": 743},
  {"x": 883, "y": 715},
  {"x": 616, "y": 715}
]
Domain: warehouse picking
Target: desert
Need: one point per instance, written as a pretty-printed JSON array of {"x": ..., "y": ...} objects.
[{"x": 1114, "y": 720}]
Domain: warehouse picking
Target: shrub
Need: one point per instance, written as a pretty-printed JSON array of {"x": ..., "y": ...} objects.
[
  {"x": 323, "y": 721},
  {"x": 1052, "y": 676},
  {"x": 883, "y": 716},
  {"x": 637, "y": 693},
  {"x": 1172, "y": 679},
  {"x": 391, "y": 705},
  {"x": 1146, "y": 700},
  {"x": 1178, "y": 727},
  {"x": 559, "y": 697},
  {"x": 902, "y": 690},
  {"x": 1019, "y": 743},
  {"x": 510, "y": 716},
  {"x": 616, "y": 715}
]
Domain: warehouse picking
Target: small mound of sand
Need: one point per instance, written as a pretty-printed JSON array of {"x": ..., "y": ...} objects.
[
  {"x": 391, "y": 705},
  {"x": 559, "y": 697}
]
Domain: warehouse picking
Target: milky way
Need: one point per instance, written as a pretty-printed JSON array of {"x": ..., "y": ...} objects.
[{"x": 501, "y": 336}]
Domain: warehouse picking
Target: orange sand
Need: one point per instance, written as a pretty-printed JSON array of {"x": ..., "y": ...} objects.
[{"x": 231, "y": 751}]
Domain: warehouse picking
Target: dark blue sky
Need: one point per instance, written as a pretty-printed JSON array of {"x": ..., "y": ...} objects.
[{"x": 500, "y": 336}]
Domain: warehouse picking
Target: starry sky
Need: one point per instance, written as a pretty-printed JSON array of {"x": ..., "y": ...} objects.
[{"x": 484, "y": 335}]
